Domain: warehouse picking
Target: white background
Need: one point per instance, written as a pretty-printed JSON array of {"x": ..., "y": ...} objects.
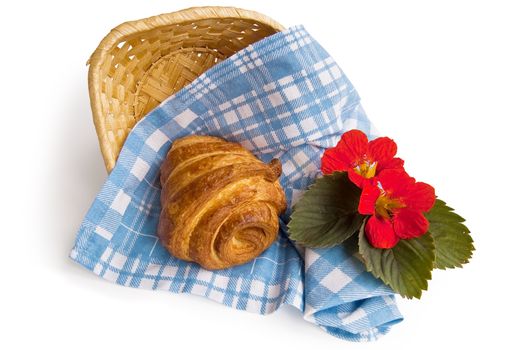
[{"x": 445, "y": 79}]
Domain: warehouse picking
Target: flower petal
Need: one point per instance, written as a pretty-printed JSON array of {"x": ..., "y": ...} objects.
[
  {"x": 351, "y": 148},
  {"x": 354, "y": 143},
  {"x": 357, "y": 179},
  {"x": 334, "y": 160},
  {"x": 382, "y": 149},
  {"x": 380, "y": 233},
  {"x": 395, "y": 163},
  {"x": 409, "y": 223},
  {"x": 370, "y": 194},
  {"x": 396, "y": 182},
  {"x": 420, "y": 196}
]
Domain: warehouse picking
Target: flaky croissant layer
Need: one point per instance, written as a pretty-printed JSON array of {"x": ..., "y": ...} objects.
[{"x": 220, "y": 204}]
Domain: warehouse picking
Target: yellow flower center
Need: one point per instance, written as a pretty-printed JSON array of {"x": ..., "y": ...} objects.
[
  {"x": 386, "y": 206},
  {"x": 367, "y": 169}
]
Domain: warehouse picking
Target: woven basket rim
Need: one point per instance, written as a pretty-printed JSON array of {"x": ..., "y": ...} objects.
[{"x": 130, "y": 28}]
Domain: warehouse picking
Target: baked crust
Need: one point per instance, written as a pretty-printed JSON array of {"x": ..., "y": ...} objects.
[{"x": 220, "y": 204}]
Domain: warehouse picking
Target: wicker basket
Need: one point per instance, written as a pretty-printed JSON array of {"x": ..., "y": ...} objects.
[{"x": 140, "y": 63}]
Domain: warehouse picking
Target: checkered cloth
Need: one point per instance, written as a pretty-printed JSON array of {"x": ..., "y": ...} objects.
[{"x": 282, "y": 97}]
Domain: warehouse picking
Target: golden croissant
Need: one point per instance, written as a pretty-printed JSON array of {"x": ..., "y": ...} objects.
[{"x": 220, "y": 204}]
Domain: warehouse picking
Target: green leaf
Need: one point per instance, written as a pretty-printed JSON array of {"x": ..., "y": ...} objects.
[
  {"x": 351, "y": 247},
  {"x": 327, "y": 214},
  {"x": 453, "y": 244},
  {"x": 406, "y": 267}
]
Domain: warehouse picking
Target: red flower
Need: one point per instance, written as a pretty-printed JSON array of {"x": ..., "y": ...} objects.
[
  {"x": 396, "y": 202},
  {"x": 362, "y": 159}
]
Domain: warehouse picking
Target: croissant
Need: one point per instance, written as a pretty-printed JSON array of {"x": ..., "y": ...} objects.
[{"x": 220, "y": 204}]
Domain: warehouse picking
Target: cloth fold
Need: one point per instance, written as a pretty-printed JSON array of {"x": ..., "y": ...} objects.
[{"x": 282, "y": 97}]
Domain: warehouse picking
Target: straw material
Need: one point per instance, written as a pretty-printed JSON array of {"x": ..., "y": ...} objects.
[{"x": 140, "y": 63}]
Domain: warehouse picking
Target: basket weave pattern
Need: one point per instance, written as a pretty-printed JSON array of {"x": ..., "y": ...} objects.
[{"x": 140, "y": 63}]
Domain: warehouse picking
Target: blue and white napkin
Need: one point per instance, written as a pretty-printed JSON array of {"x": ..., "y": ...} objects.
[{"x": 282, "y": 97}]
